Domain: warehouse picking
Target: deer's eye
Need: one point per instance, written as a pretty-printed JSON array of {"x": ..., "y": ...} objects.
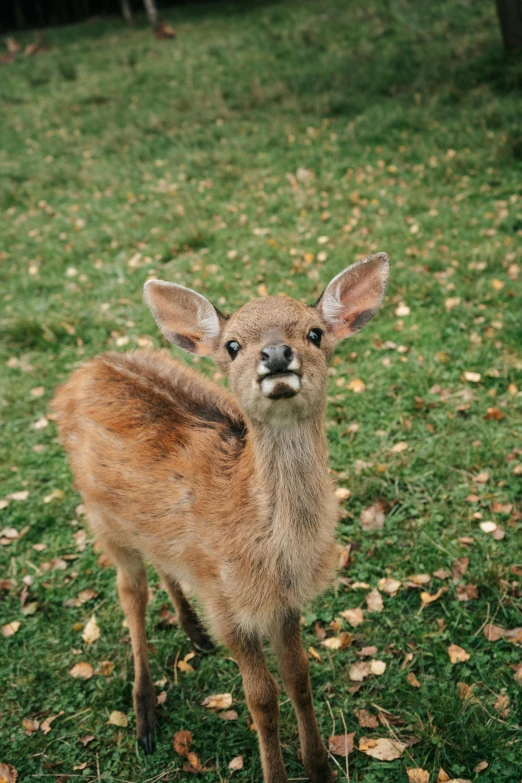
[
  {"x": 233, "y": 348},
  {"x": 315, "y": 335}
]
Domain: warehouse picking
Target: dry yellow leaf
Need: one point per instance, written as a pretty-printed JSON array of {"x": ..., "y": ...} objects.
[
  {"x": 218, "y": 701},
  {"x": 472, "y": 377},
  {"x": 374, "y": 601},
  {"x": 457, "y": 654},
  {"x": 341, "y": 493},
  {"x": 389, "y": 586},
  {"x": 236, "y": 764},
  {"x": 377, "y": 667},
  {"x": 383, "y": 749},
  {"x": 412, "y": 680},
  {"x": 354, "y": 616},
  {"x": 117, "y": 718},
  {"x": 8, "y": 774},
  {"x": 82, "y": 671},
  {"x": 357, "y": 386},
  {"x": 400, "y": 446},
  {"x": 426, "y": 598},
  {"x": 91, "y": 632},
  {"x": 442, "y": 777},
  {"x": 418, "y": 775},
  {"x": 11, "y": 628}
]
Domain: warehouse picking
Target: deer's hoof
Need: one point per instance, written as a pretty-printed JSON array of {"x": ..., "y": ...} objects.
[{"x": 147, "y": 743}]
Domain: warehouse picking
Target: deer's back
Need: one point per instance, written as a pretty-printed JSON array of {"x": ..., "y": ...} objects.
[{"x": 152, "y": 446}]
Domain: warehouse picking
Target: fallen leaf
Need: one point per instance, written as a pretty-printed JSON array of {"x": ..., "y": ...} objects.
[
  {"x": 418, "y": 775},
  {"x": 354, "y": 616},
  {"x": 412, "y": 680},
  {"x": 442, "y": 777},
  {"x": 357, "y": 386},
  {"x": 465, "y": 691},
  {"x": 451, "y": 302},
  {"x": 372, "y": 518},
  {"x": 402, "y": 310},
  {"x": 341, "y": 493},
  {"x": 22, "y": 495},
  {"x": 457, "y": 654},
  {"x": 459, "y": 780},
  {"x": 359, "y": 671},
  {"x": 82, "y": 671},
  {"x": 399, "y": 447},
  {"x": 91, "y": 632},
  {"x": 218, "y": 701},
  {"x": 418, "y": 580},
  {"x": 106, "y": 668},
  {"x": 41, "y": 424},
  {"x": 11, "y": 628},
  {"x": 366, "y": 719},
  {"x": 501, "y": 705},
  {"x": 8, "y": 774},
  {"x": 383, "y": 749},
  {"x": 472, "y": 377},
  {"x": 30, "y": 725},
  {"x": 193, "y": 764},
  {"x": 182, "y": 741},
  {"x": 482, "y": 477},
  {"x": 46, "y": 725},
  {"x": 185, "y": 667},
  {"x": 341, "y": 744},
  {"x": 488, "y": 526},
  {"x": 236, "y": 764},
  {"x": 442, "y": 573},
  {"x": 117, "y": 718},
  {"x": 56, "y": 494},
  {"x": 427, "y": 599},
  {"x": 228, "y": 715},
  {"x": 374, "y": 601},
  {"x": 482, "y": 765},
  {"x": 367, "y": 651},
  {"x": 467, "y": 592},
  {"x": 518, "y": 674},
  {"x": 161, "y": 698},
  {"x": 377, "y": 667},
  {"x": 389, "y": 586},
  {"x": 494, "y": 414},
  {"x": 86, "y": 739}
]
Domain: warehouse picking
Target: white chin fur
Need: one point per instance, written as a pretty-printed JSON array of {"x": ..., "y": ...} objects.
[{"x": 292, "y": 381}]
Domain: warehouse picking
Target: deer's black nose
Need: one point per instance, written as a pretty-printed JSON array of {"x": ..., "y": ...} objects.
[{"x": 277, "y": 358}]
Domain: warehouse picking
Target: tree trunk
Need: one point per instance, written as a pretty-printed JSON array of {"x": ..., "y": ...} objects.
[
  {"x": 152, "y": 13},
  {"x": 127, "y": 11},
  {"x": 510, "y": 17}
]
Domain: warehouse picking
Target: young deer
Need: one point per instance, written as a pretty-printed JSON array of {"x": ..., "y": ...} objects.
[{"x": 228, "y": 492}]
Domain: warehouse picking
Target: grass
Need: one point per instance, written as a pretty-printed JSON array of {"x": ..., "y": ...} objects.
[{"x": 268, "y": 147}]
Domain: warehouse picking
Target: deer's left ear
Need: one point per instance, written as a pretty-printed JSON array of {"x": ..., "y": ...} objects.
[{"x": 354, "y": 296}]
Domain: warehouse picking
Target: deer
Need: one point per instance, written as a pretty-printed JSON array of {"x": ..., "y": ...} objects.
[{"x": 229, "y": 492}]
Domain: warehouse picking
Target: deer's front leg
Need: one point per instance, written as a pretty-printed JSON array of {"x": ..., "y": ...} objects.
[
  {"x": 261, "y": 693},
  {"x": 294, "y": 668}
]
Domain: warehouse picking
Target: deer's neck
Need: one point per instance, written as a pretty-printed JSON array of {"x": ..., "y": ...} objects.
[{"x": 291, "y": 471}]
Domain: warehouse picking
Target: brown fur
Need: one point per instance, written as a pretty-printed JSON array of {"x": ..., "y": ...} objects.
[{"x": 228, "y": 492}]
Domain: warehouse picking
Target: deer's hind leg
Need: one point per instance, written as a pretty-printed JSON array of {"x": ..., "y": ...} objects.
[
  {"x": 187, "y": 617},
  {"x": 133, "y": 591}
]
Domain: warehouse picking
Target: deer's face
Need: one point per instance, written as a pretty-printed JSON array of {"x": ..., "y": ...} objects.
[
  {"x": 275, "y": 353},
  {"x": 274, "y": 350}
]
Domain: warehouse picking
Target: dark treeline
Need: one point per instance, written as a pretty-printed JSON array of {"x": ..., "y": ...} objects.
[{"x": 22, "y": 14}]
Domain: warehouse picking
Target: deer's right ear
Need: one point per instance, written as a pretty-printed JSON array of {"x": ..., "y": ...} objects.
[{"x": 185, "y": 317}]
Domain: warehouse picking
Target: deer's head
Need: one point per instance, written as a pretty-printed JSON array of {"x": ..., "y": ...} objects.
[{"x": 274, "y": 350}]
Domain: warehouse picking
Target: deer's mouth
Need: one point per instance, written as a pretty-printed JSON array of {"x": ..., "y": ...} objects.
[{"x": 280, "y": 385}]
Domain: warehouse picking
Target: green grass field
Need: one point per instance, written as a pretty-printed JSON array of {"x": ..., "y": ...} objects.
[{"x": 265, "y": 149}]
